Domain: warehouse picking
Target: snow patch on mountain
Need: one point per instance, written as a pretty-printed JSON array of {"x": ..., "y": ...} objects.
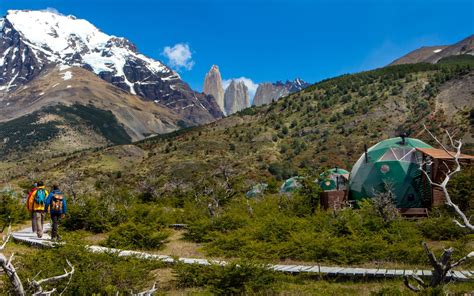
[{"x": 67, "y": 75}]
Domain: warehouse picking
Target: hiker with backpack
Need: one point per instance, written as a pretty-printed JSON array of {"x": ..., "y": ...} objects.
[
  {"x": 30, "y": 196},
  {"x": 57, "y": 206},
  {"x": 35, "y": 204}
]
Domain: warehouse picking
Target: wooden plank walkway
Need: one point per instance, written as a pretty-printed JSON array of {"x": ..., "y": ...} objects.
[{"x": 27, "y": 236}]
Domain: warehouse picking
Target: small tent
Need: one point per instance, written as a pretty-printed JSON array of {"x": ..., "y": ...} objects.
[
  {"x": 256, "y": 190},
  {"x": 334, "y": 179},
  {"x": 291, "y": 184},
  {"x": 395, "y": 161}
]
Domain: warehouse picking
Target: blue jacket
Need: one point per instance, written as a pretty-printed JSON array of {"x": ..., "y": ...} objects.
[{"x": 49, "y": 200}]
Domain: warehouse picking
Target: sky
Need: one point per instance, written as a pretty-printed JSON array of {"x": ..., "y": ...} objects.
[{"x": 265, "y": 41}]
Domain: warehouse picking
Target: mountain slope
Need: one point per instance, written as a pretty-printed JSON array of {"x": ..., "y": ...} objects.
[
  {"x": 31, "y": 41},
  {"x": 324, "y": 125},
  {"x": 432, "y": 54},
  {"x": 56, "y": 90}
]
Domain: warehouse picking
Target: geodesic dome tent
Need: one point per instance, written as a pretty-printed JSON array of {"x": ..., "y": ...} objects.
[
  {"x": 291, "y": 184},
  {"x": 395, "y": 161},
  {"x": 256, "y": 190},
  {"x": 334, "y": 179}
]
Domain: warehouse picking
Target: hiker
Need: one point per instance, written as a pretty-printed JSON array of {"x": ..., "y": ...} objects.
[
  {"x": 30, "y": 195},
  {"x": 56, "y": 203},
  {"x": 36, "y": 206}
]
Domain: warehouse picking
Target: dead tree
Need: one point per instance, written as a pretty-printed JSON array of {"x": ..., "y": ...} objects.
[
  {"x": 384, "y": 203},
  {"x": 35, "y": 285},
  {"x": 149, "y": 292},
  {"x": 456, "y": 144},
  {"x": 9, "y": 269},
  {"x": 444, "y": 264},
  {"x": 441, "y": 267}
]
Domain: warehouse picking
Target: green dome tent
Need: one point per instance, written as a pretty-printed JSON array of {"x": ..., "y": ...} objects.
[
  {"x": 291, "y": 184},
  {"x": 395, "y": 161},
  {"x": 334, "y": 179},
  {"x": 256, "y": 190}
]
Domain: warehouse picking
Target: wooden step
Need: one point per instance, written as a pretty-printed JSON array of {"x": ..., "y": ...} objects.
[{"x": 413, "y": 212}]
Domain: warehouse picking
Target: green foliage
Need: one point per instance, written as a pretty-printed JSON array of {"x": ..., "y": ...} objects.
[
  {"x": 103, "y": 121},
  {"x": 440, "y": 228},
  {"x": 284, "y": 228},
  {"x": 282, "y": 171},
  {"x": 461, "y": 189},
  {"x": 236, "y": 278},
  {"x": 458, "y": 59},
  {"x": 11, "y": 208},
  {"x": 137, "y": 236},
  {"x": 104, "y": 274}
]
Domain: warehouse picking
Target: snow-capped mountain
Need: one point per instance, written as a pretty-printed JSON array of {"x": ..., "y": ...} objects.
[{"x": 31, "y": 41}]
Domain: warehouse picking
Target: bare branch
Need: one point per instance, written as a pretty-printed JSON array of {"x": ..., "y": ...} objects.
[
  {"x": 470, "y": 255},
  {"x": 149, "y": 292},
  {"x": 37, "y": 284},
  {"x": 443, "y": 185},
  {"x": 5, "y": 240},
  {"x": 10, "y": 271},
  {"x": 406, "y": 281}
]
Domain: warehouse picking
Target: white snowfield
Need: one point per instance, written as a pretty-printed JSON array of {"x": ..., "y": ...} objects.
[{"x": 59, "y": 37}]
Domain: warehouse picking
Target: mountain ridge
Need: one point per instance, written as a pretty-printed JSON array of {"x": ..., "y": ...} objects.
[{"x": 33, "y": 40}]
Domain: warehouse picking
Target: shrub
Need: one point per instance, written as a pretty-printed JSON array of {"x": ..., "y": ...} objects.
[
  {"x": 11, "y": 209},
  {"x": 236, "y": 278},
  {"x": 95, "y": 274},
  {"x": 137, "y": 236},
  {"x": 440, "y": 228}
]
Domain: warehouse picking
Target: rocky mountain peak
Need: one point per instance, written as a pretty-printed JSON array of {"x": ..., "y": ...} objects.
[
  {"x": 268, "y": 92},
  {"x": 213, "y": 86},
  {"x": 236, "y": 97},
  {"x": 31, "y": 41}
]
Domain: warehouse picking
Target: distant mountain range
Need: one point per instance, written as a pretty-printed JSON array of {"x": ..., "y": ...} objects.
[{"x": 236, "y": 96}]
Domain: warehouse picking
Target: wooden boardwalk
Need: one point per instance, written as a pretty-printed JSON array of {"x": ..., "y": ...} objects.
[{"x": 27, "y": 236}]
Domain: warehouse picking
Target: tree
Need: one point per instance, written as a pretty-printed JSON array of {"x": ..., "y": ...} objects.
[{"x": 444, "y": 264}]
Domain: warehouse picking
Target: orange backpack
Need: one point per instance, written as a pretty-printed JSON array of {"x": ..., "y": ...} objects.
[{"x": 57, "y": 202}]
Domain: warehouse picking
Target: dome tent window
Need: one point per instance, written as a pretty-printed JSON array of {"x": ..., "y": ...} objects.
[{"x": 399, "y": 154}]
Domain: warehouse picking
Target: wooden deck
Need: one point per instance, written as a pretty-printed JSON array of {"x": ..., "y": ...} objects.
[{"x": 27, "y": 236}]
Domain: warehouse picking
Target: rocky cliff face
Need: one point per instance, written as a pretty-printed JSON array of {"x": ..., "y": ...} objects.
[
  {"x": 32, "y": 41},
  {"x": 236, "y": 97},
  {"x": 268, "y": 92},
  {"x": 213, "y": 86}
]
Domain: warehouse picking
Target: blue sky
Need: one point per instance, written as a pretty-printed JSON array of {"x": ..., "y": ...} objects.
[{"x": 272, "y": 40}]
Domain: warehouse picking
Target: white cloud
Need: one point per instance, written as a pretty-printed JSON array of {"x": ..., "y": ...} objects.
[
  {"x": 179, "y": 56},
  {"x": 252, "y": 86}
]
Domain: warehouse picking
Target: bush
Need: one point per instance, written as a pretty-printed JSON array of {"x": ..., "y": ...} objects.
[
  {"x": 11, "y": 209},
  {"x": 440, "y": 228},
  {"x": 235, "y": 278},
  {"x": 137, "y": 236},
  {"x": 98, "y": 274}
]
